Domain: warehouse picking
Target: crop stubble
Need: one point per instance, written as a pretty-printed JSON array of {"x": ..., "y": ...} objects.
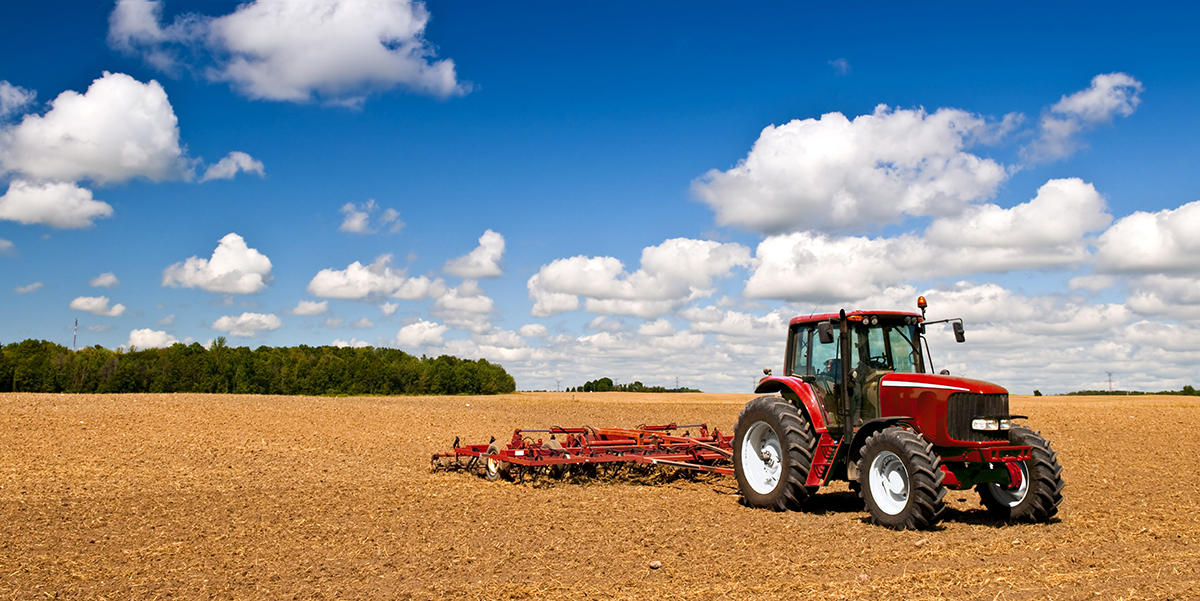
[{"x": 247, "y": 497}]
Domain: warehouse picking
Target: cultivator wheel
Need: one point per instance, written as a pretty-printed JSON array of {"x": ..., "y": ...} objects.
[
  {"x": 494, "y": 468},
  {"x": 1035, "y": 487},
  {"x": 772, "y": 453},
  {"x": 900, "y": 480}
]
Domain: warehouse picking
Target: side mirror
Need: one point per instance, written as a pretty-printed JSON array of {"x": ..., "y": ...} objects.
[
  {"x": 825, "y": 332},
  {"x": 958, "y": 331}
]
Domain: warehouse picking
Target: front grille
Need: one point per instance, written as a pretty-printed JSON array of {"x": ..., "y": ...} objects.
[{"x": 965, "y": 406}]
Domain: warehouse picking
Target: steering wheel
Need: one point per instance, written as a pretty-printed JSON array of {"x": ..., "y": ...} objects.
[{"x": 879, "y": 362}]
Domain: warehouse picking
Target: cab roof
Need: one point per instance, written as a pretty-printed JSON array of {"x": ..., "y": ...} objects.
[{"x": 827, "y": 316}]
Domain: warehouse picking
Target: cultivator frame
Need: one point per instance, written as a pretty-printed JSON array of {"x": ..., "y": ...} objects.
[{"x": 711, "y": 451}]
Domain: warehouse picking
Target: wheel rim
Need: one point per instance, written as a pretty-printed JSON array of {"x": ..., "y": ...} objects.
[
  {"x": 1012, "y": 496},
  {"x": 888, "y": 480},
  {"x": 493, "y": 466},
  {"x": 762, "y": 458}
]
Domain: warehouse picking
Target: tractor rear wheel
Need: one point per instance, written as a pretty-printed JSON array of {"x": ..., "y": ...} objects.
[
  {"x": 772, "y": 453},
  {"x": 900, "y": 480},
  {"x": 493, "y": 468},
  {"x": 1036, "y": 496}
]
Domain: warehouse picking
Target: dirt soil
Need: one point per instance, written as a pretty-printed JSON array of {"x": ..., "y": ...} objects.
[{"x": 250, "y": 497}]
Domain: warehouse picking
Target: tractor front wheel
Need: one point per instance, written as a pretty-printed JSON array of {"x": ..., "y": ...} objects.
[
  {"x": 772, "y": 453},
  {"x": 1035, "y": 488},
  {"x": 900, "y": 480}
]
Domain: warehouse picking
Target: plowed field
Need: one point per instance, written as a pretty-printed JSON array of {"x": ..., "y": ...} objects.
[{"x": 248, "y": 497}]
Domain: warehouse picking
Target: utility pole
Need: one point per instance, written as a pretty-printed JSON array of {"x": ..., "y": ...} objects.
[
  {"x": 558, "y": 386},
  {"x": 75, "y": 336},
  {"x": 1110, "y": 388}
]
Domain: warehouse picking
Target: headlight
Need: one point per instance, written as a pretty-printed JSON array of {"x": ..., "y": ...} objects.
[
  {"x": 985, "y": 423},
  {"x": 1005, "y": 424}
]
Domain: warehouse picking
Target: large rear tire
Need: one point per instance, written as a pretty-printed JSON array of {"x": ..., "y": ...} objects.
[
  {"x": 900, "y": 480},
  {"x": 772, "y": 454},
  {"x": 1036, "y": 497}
]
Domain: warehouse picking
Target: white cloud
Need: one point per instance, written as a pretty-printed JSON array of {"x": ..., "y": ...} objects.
[
  {"x": 841, "y": 174},
  {"x": 420, "y": 333},
  {"x": 310, "y": 308},
  {"x": 104, "y": 280},
  {"x": 97, "y": 305},
  {"x": 7, "y": 247},
  {"x": 247, "y": 325},
  {"x": 388, "y": 309},
  {"x": 60, "y": 205},
  {"x": 1048, "y": 231},
  {"x": 358, "y": 218},
  {"x": 363, "y": 324},
  {"x": 229, "y": 166},
  {"x": 147, "y": 338},
  {"x": 334, "y": 322},
  {"x": 168, "y": 320},
  {"x": 465, "y": 307},
  {"x": 377, "y": 279},
  {"x": 1167, "y": 241},
  {"x": 534, "y": 330},
  {"x": 337, "y": 51},
  {"x": 119, "y": 129},
  {"x": 354, "y": 343},
  {"x": 840, "y": 66},
  {"x": 26, "y": 289},
  {"x": 1110, "y": 94},
  {"x": 658, "y": 327},
  {"x": 234, "y": 268},
  {"x": 13, "y": 99},
  {"x": 483, "y": 262},
  {"x": 676, "y": 271}
]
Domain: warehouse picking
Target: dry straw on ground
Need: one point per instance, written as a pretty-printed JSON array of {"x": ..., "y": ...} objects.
[{"x": 246, "y": 497}]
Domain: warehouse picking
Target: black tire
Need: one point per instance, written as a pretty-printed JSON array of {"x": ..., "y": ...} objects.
[
  {"x": 555, "y": 471},
  {"x": 913, "y": 500},
  {"x": 1038, "y": 500},
  {"x": 495, "y": 469},
  {"x": 777, "y": 481}
]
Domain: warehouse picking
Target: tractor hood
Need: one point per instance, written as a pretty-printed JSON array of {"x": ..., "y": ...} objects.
[{"x": 948, "y": 384}]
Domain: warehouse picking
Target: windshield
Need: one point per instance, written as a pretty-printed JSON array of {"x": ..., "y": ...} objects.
[{"x": 888, "y": 346}]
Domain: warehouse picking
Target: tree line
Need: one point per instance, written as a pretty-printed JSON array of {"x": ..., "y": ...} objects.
[
  {"x": 606, "y": 385},
  {"x": 41, "y": 366}
]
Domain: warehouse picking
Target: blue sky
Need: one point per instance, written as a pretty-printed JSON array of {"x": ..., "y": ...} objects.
[{"x": 578, "y": 190}]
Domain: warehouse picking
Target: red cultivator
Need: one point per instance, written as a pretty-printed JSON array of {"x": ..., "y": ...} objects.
[{"x": 593, "y": 448}]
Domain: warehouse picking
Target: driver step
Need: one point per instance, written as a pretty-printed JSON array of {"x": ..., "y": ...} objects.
[{"x": 827, "y": 448}]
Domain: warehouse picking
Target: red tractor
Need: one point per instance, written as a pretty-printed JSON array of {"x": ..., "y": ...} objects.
[{"x": 858, "y": 402}]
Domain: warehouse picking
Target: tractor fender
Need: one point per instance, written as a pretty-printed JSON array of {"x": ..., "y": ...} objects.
[
  {"x": 869, "y": 428},
  {"x": 800, "y": 394}
]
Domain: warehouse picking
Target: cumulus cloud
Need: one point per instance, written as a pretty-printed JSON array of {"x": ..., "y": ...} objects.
[
  {"x": 146, "y": 338},
  {"x": 7, "y": 247},
  {"x": 1109, "y": 95},
  {"x": 676, "y": 271},
  {"x": 168, "y": 320},
  {"x": 358, "y": 218},
  {"x": 837, "y": 173},
  {"x": 104, "y": 280},
  {"x": 465, "y": 307},
  {"x": 247, "y": 325},
  {"x": 1048, "y": 231},
  {"x": 388, "y": 309},
  {"x": 97, "y": 305},
  {"x": 234, "y": 268},
  {"x": 338, "y": 51},
  {"x": 840, "y": 66},
  {"x": 420, "y": 333},
  {"x": 14, "y": 99},
  {"x": 483, "y": 262},
  {"x": 310, "y": 308},
  {"x": 26, "y": 289},
  {"x": 354, "y": 343},
  {"x": 363, "y": 324},
  {"x": 377, "y": 279},
  {"x": 534, "y": 330},
  {"x": 229, "y": 166},
  {"x": 1166, "y": 241},
  {"x": 119, "y": 129},
  {"x": 60, "y": 205}
]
